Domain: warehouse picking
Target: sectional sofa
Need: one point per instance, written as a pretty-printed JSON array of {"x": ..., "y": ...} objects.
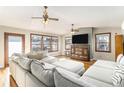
[
  {"x": 51, "y": 72},
  {"x": 101, "y": 74},
  {"x": 30, "y": 71}
]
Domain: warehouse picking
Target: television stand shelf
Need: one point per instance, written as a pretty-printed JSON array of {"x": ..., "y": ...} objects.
[{"x": 80, "y": 52}]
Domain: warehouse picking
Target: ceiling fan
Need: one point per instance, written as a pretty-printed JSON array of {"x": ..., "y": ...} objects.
[
  {"x": 45, "y": 18},
  {"x": 74, "y": 30}
]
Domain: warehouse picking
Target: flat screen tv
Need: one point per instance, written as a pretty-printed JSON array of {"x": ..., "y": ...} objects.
[{"x": 80, "y": 39}]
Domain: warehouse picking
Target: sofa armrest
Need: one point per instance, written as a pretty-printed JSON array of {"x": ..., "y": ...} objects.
[{"x": 64, "y": 78}]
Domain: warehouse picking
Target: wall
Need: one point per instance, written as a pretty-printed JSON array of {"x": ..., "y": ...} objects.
[
  {"x": 92, "y": 32},
  {"x": 104, "y": 55},
  {"x": 27, "y": 41},
  {"x": 89, "y": 32},
  {"x": 81, "y": 31}
]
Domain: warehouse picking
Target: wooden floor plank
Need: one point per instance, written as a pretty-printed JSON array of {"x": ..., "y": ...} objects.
[{"x": 12, "y": 82}]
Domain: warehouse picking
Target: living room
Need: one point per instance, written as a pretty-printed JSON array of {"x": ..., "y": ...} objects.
[{"x": 97, "y": 52}]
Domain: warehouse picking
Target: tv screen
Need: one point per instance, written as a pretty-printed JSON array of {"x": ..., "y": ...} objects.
[{"x": 80, "y": 39}]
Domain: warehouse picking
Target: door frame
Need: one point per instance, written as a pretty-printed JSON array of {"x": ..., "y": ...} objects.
[{"x": 6, "y": 34}]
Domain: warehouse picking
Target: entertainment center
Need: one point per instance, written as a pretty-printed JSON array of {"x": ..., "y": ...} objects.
[{"x": 80, "y": 49}]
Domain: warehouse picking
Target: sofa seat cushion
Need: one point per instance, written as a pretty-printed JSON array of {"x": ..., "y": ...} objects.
[
  {"x": 95, "y": 82},
  {"x": 106, "y": 64},
  {"x": 65, "y": 78},
  {"x": 25, "y": 63},
  {"x": 43, "y": 72},
  {"x": 73, "y": 66},
  {"x": 99, "y": 73},
  {"x": 50, "y": 59}
]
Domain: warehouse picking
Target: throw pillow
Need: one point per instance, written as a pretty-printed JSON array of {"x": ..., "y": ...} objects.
[
  {"x": 25, "y": 63},
  {"x": 122, "y": 61},
  {"x": 119, "y": 58},
  {"x": 118, "y": 76}
]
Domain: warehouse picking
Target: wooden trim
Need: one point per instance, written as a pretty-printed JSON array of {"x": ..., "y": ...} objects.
[
  {"x": 6, "y": 34},
  {"x": 118, "y": 45},
  {"x": 109, "y": 42}
]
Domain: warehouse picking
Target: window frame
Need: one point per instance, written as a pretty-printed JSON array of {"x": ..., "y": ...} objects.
[
  {"x": 42, "y": 41},
  {"x": 67, "y": 43}
]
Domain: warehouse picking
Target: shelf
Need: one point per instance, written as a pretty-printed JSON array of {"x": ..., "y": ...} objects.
[{"x": 80, "y": 52}]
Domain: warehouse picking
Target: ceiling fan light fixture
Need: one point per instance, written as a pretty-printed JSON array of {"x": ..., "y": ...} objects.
[
  {"x": 45, "y": 18},
  {"x": 73, "y": 31},
  {"x": 45, "y": 21}
]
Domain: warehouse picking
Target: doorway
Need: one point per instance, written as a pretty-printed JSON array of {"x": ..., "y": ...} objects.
[{"x": 13, "y": 43}]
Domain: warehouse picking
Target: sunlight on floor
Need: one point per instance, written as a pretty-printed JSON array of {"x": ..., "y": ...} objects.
[{"x": 4, "y": 77}]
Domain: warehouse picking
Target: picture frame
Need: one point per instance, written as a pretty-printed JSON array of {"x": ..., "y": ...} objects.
[{"x": 103, "y": 42}]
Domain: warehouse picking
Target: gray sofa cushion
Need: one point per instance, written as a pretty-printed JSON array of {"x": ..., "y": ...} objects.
[
  {"x": 100, "y": 73},
  {"x": 64, "y": 78},
  {"x": 37, "y": 55},
  {"x": 16, "y": 57},
  {"x": 73, "y": 66},
  {"x": 119, "y": 58},
  {"x": 105, "y": 64},
  {"x": 118, "y": 76},
  {"x": 96, "y": 82},
  {"x": 50, "y": 59},
  {"x": 43, "y": 72},
  {"x": 122, "y": 61},
  {"x": 32, "y": 81},
  {"x": 25, "y": 63}
]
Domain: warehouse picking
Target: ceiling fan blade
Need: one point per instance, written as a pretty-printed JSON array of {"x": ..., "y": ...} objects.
[
  {"x": 55, "y": 19},
  {"x": 37, "y": 18}
]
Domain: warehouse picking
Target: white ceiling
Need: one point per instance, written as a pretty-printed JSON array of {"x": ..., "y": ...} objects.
[{"x": 85, "y": 16}]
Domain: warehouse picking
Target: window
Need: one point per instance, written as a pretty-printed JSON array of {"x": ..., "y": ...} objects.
[
  {"x": 103, "y": 42},
  {"x": 36, "y": 42},
  {"x": 47, "y": 43},
  {"x": 68, "y": 42},
  {"x": 54, "y": 43},
  {"x": 42, "y": 42}
]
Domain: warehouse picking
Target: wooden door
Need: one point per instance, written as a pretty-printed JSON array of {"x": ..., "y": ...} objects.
[
  {"x": 118, "y": 45},
  {"x": 6, "y": 45}
]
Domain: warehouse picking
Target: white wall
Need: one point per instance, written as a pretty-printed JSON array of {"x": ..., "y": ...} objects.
[
  {"x": 27, "y": 41},
  {"x": 104, "y": 55}
]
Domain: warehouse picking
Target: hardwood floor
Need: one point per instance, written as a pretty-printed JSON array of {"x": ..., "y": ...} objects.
[
  {"x": 12, "y": 82},
  {"x": 4, "y": 77}
]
